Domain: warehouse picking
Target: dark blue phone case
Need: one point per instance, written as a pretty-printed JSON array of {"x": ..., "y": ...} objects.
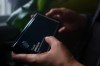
[{"x": 31, "y": 39}]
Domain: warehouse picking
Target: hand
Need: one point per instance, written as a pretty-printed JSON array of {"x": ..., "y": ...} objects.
[
  {"x": 71, "y": 21},
  {"x": 72, "y": 26},
  {"x": 57, "y": 56}
]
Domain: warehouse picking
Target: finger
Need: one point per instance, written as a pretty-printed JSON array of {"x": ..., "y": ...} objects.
[
  {"x": 24, "y": 57},
  {"x": 59, "y": 11},
  {"x": 30, "y": 58},
  {"x": 52, "y": 41},
  {"x": 53, "y": 12},
  {"x": 62, "y": 29},
  {"x": 65, "y": 28}
]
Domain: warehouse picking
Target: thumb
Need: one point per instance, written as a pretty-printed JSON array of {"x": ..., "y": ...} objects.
[{"x": 52, "y": 41}]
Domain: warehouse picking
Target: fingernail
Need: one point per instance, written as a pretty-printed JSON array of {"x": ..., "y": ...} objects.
[
  {"x": 47, "y": 37},
  {"x": 47, "y": 14},
  {"x": 61, "y": 29}
]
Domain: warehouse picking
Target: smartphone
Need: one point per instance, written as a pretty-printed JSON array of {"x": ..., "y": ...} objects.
[{"x": 31, "y": 39}]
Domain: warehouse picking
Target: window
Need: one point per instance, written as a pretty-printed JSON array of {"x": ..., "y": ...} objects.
[{"x": 5, "y": 8}]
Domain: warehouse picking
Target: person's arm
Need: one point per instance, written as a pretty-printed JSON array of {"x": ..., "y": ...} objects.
[{"x": 57, "y": 56}]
